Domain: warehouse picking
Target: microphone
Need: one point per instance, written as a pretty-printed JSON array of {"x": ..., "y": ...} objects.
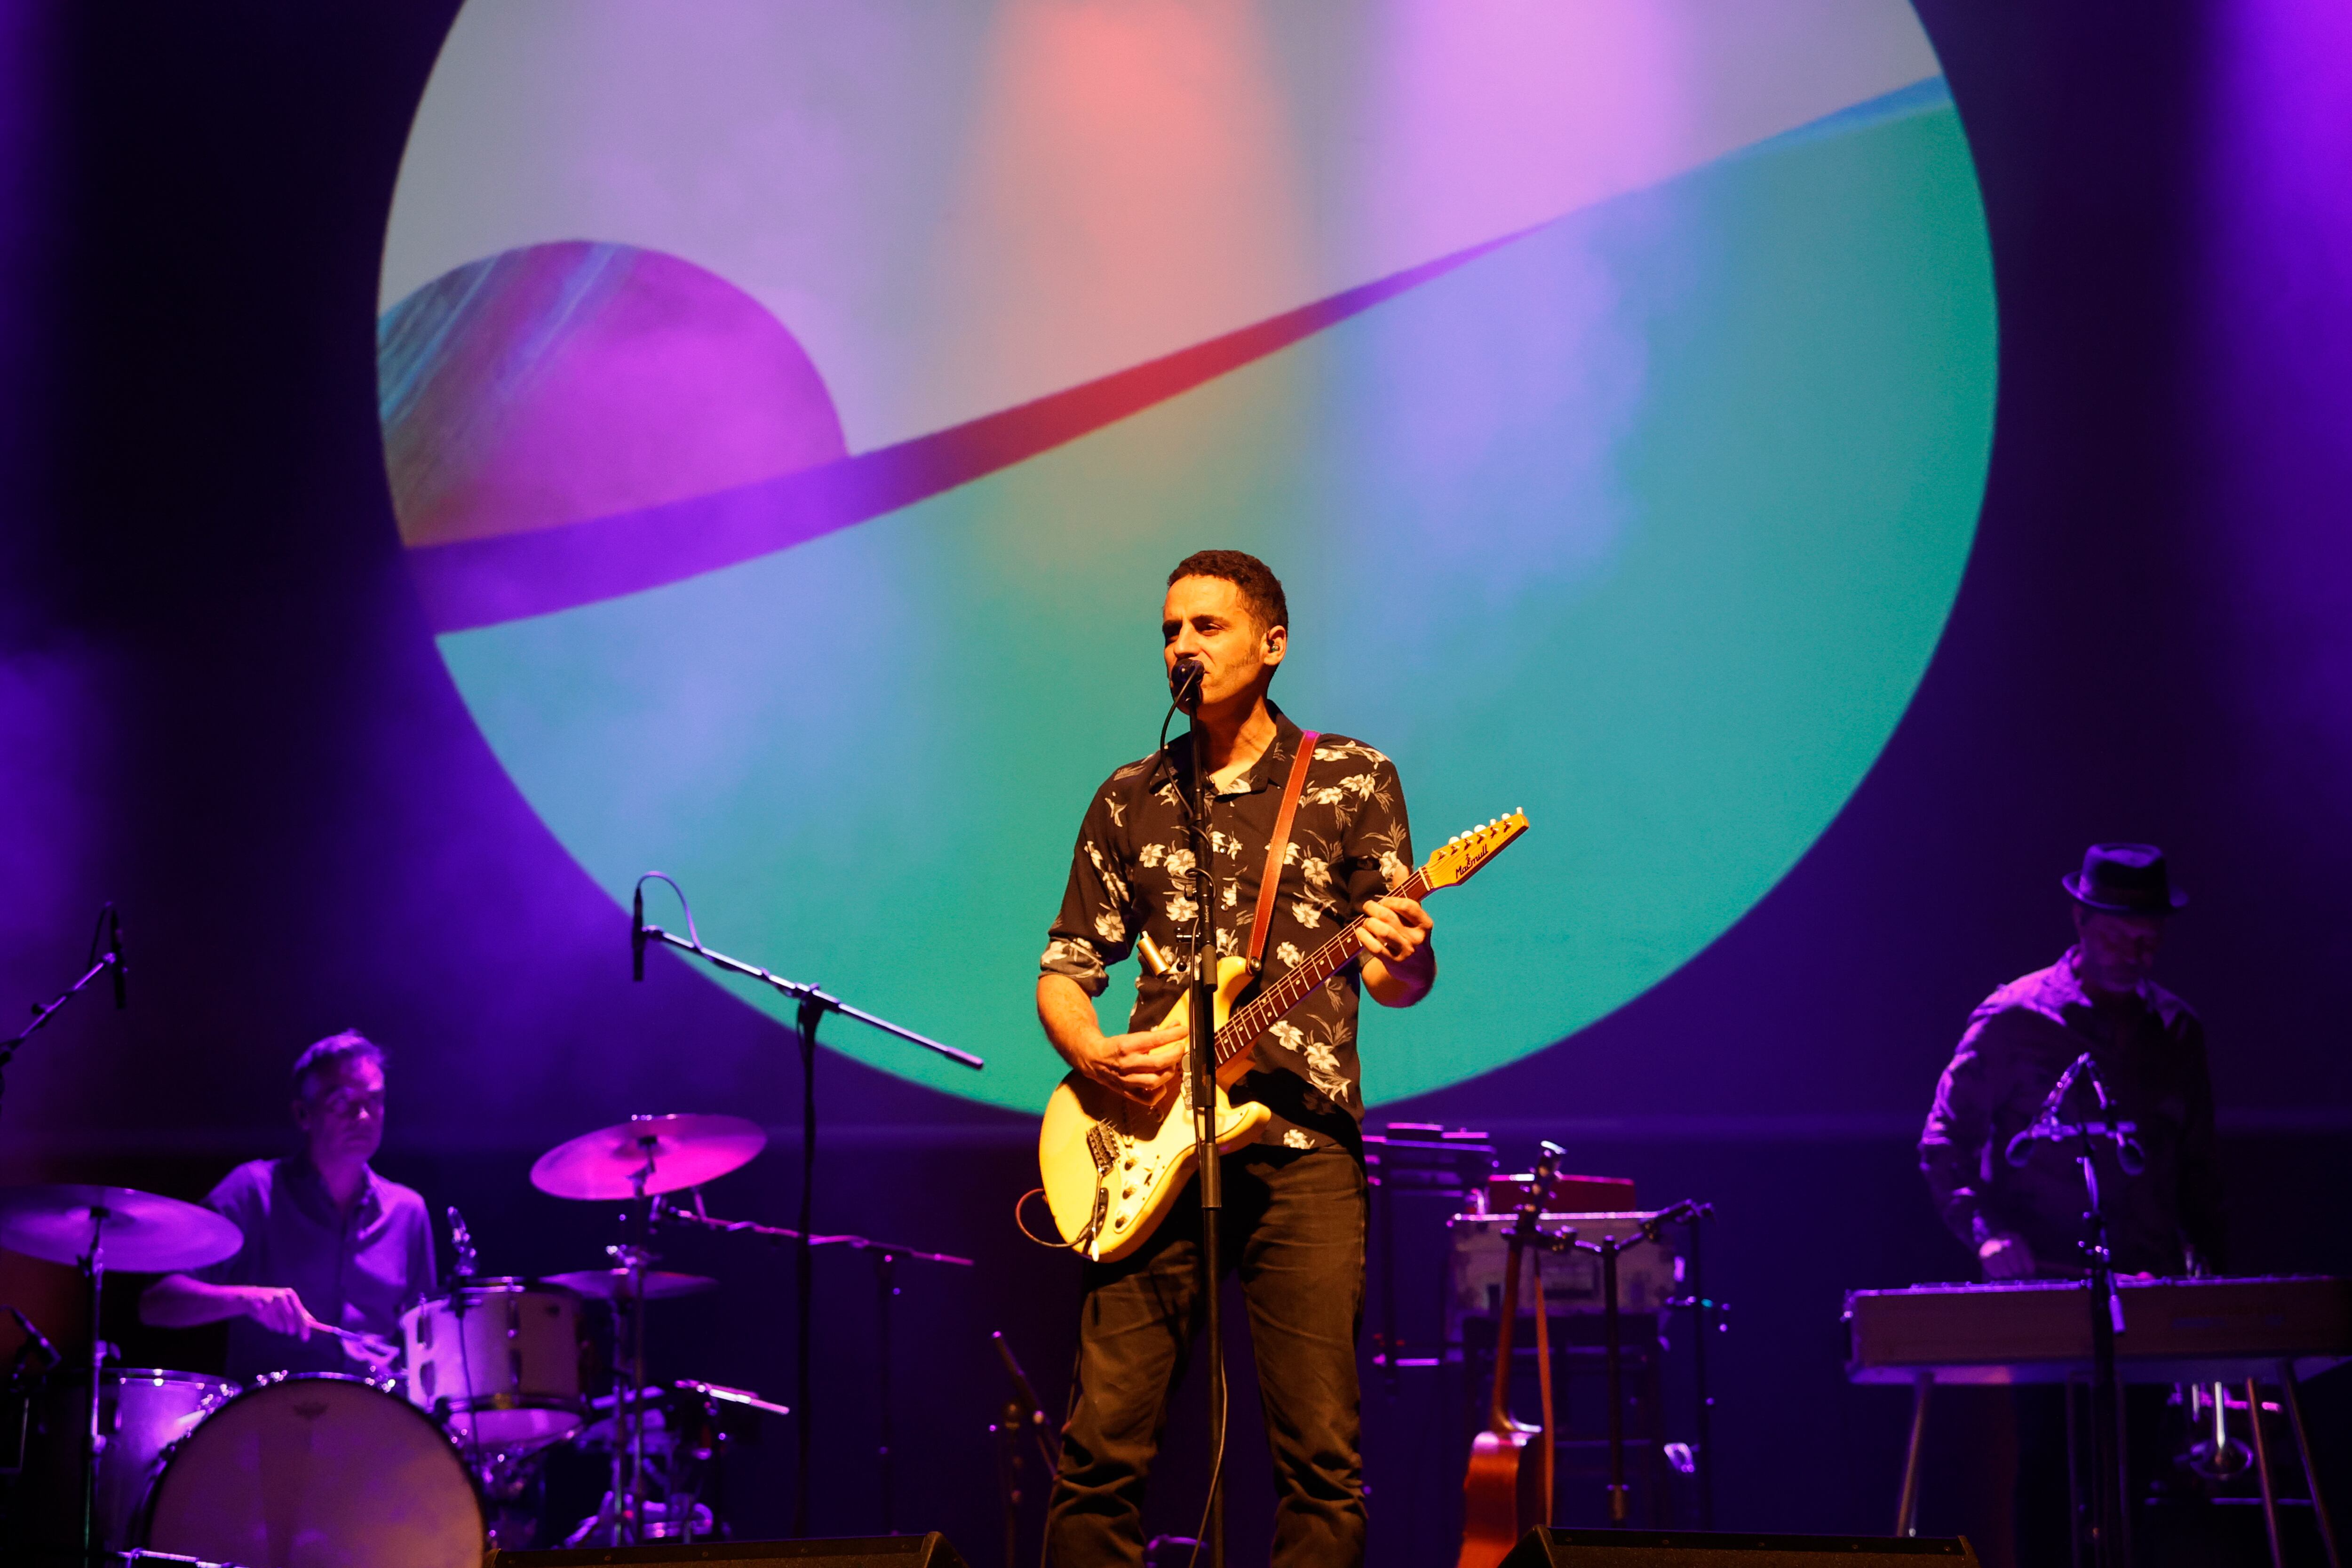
[
  {"x": 637, "y": 934},
  {"x": 35, "y": 1340},
  {"x": 1184, "y": 682},
  {"x": 461, "y": 1241},
  {"x": 114, "y": 948}
]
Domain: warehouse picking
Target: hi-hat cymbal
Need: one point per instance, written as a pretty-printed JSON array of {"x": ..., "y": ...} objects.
[
  {"x": 672, "y": 1152},
  {"x": 613, "y": 1284},
  {"x": 139, "y": 1231}
]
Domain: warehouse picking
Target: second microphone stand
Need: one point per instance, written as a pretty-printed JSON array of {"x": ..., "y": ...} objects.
[
  {"x": 2110, "y": 1519},
  {"x": 812, "y": 1004}
]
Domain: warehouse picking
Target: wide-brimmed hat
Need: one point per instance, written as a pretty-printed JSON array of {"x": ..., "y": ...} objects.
[{"x": 2124, "y": 880}]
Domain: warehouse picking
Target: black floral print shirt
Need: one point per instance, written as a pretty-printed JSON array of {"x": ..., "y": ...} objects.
[{"x": 1132, "y": 872}]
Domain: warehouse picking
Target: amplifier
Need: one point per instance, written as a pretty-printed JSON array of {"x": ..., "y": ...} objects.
[
  {"x": 1479, "y": 1247},
  {"x": 930, "y": 1550},
  {"x": 1730, "y": 1549}
]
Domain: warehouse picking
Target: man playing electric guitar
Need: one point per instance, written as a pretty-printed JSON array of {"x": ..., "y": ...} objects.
[{"x": 1294, "y": 1200}]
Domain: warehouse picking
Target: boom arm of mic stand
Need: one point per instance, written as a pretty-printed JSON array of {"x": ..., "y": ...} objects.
[{"x": 809, "y": 995}]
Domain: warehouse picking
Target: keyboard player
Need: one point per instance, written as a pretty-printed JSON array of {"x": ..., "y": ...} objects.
[{"x": 2026, "y": 1222}]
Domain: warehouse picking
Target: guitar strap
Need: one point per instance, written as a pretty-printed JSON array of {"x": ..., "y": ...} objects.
[{"x": 1277, "y": 845}]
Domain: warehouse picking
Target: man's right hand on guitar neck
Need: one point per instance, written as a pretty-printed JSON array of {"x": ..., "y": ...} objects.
[{"x": 1142, "y": 1066}]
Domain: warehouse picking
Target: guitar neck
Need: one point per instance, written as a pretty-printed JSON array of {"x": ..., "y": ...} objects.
[
  {"x": 1498, "y": 1420},
  {"x": 1269, "y": 1008}
]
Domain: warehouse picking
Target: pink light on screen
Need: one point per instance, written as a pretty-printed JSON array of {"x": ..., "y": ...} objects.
[{"x": 1133, "y": 190}]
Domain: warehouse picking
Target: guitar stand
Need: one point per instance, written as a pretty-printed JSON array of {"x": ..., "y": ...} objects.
[{"x": 1606, "y": 1250}]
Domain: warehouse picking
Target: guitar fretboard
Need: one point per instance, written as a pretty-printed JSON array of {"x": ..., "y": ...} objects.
[{"x": 1269, "y": 1007}]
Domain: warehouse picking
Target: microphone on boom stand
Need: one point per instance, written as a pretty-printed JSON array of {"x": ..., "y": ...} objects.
[
  {"x": 637, "y": 934},
  {"x": 114, "y": 950},
  {"x": 1184, "y": 682}
]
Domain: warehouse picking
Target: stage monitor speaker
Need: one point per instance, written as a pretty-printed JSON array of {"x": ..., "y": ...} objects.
[
  {"x": 930, "y": 1550},
  {"x": 1729, "y": 1548}
]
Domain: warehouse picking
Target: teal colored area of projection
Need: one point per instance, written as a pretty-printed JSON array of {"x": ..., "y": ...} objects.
[{"x": 1646, "y": 522}]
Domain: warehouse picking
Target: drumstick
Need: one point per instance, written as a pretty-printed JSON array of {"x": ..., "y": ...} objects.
[{"x": 373, "y": 1344}]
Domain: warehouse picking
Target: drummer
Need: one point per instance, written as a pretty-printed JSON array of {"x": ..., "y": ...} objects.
[{"x": 327, "y": 1240}]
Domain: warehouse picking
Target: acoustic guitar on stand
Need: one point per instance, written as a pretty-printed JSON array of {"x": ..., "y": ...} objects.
[
  {"x": 1507, "y": 1489},
  {"x": 1112, "y": 1165}
]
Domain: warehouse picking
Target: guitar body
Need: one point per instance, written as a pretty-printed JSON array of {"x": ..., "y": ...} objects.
[
  {"x": 1112, "y": 1167},
  {"x": 1502, "y": 1496}
]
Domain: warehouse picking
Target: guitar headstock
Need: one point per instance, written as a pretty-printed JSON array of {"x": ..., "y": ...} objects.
[{"x": 1465, "y": 854}]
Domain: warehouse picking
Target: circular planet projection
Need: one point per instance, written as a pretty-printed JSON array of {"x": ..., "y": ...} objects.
[{"x": 791, "y": 413}]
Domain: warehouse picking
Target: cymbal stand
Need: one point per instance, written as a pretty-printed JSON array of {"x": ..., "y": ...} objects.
[
  {"x": 625, "y": 1517},
  {"x": 812, "y": 1003},
  {"x": 887, "y": 1256},
  {"x": 93, "y": 1269}
]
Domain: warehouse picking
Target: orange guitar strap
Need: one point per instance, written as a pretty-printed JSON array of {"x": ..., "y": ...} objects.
[{"x": 1274, "y": 847}]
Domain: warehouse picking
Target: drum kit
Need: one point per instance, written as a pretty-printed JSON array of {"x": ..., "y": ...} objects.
[{"x": 415, "y": 1468}]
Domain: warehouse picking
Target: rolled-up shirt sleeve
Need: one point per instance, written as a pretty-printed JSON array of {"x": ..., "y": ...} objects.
[
  {"x": 1099, "y": 920},
  {"x": 1952, "y": 1145}
]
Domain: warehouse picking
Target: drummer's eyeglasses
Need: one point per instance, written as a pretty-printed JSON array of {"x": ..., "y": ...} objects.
[{"x": 345, "y": 1104}]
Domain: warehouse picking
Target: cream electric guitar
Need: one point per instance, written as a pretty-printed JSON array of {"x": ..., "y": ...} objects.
[{"x": 1112, "y": 1165}]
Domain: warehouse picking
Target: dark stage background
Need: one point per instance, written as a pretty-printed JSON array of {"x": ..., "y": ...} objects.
[{"x": 220, "y": 707}]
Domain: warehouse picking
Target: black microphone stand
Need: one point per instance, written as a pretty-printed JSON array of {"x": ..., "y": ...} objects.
[
  {"x": 1201, "y": 1095},
  {"x": 100, "y": 963},
  {"x": 814, "y": 1004},
  {"x": 1021, "y": 1413},
  {"x": 2111, "y": 1528}
]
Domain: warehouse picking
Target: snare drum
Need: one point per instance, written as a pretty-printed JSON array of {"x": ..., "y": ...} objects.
[
  {"x": 498, "y": 1361},
  {"x": 319, "y": 1469}
]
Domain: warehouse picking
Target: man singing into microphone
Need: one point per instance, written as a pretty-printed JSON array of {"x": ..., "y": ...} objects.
[
  {"x": 2025, "y": 1221},
  {"x": 1293, "y": 1223},
  {"x": 327, "y": 1241}
]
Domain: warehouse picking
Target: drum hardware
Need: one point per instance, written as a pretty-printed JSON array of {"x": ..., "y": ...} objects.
[
  {"x": 639, "y": 1160},
  {"x": 611, "y": 1284},
  {"x": 811, "y": 1006},
  {"x": 147, "y": 1234},
  {"x": 2216, "y": 1455},
  {"x": 886, "y": 1256},
  {"x": 306, "y": 1457}
]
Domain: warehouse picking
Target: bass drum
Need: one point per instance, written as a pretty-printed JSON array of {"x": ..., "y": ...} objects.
[{"x": 317, "y": 1470}]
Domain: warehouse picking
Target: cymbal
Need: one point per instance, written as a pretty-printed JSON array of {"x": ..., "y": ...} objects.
[
  {"x": 613, "y": 1284},
  {"x": 682, "y": 1151},
  {"x": 141, "y": 1231}
]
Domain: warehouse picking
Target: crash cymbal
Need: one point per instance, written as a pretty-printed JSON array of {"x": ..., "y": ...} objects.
[
  {"x": 142, "y": 1232},
  {"x": 613, "y": 1284},
  {"x": 673, "y": 1152}
]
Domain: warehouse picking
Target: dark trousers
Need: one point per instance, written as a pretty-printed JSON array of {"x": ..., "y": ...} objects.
[{"x": 1293, "y": 1227}]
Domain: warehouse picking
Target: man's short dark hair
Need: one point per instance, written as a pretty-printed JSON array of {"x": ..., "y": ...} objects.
[
  {"x": 1261, "y": 590},
  {"x": 325, "y": 1056}
]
